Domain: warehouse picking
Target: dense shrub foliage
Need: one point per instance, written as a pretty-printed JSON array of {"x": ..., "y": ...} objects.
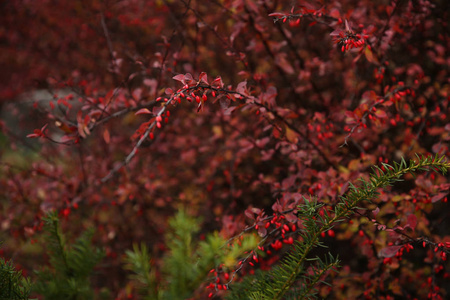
[{"x": 215, "y": 146}]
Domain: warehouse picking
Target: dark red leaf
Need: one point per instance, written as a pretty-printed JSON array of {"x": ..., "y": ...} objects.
[{"x": 389, "y": 251}]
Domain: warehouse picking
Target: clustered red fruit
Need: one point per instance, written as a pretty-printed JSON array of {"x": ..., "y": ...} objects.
[{"x": 349, "y": 40}]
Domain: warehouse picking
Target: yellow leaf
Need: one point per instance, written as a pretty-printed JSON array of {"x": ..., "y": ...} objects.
[
  {"x": 343, "y": 169},
  {"x": 291, "y": 135},
  {"x": 397, "y": 198},
  {"x": 217, "y": 130},
  {"x": 370, "y": 57},
  {"x": 106, "y": 136}
]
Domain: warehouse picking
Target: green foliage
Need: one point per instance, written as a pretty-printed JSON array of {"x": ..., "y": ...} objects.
[
  {"x": 71, "y": 266},
  {"x": 138, "y": 261},
  {"x": 13, "y": 286},
  {"x": 180, "y": 266},
  {"x": 298, "y": 273},
  {"x": 187, "y": 263}
]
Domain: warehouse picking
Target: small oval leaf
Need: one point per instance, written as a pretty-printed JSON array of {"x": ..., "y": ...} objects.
[{"x": 143, "y": 111}]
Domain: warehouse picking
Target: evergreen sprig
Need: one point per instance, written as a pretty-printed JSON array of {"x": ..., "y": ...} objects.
[
  {"x": 13, "y": 286},
  {"x": 297, "y": 274},
  {"x": 72, "y": 266},
  {"x": 138, "y": 261},
  {"x": 187, "y": 263}
]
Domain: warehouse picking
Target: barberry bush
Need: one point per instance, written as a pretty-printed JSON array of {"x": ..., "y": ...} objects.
[{"x": 273, "y": 127}]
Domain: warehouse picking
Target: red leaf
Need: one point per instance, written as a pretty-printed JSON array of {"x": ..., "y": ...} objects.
[
  {"x": 217, "y": 82},
  {"x": 33, "y": 135},
  {"x": 350, "y": 114},
  {"x": 291, "y": 217},
  {"x": 143, "y": 111},
  {"x": 179, "y": 77},
  {"x": 347, "y": 26},
  {"x": 376, "y": 211},
  {"x": 412, "y": 221},
  {"x": 336, "y": 32},
  {"x": 381, "y": 114},
  {"x": 438, "y": 197},
  {"x": 262, "y": 231},
  {"x": 389, "y": 251},
  {"x": 38, "y": 132},
  {"x": 344, "y": 188},
  {"x": 224, "y": 103},
  {"x": 277, "y": 15},
  {"x": 188, "y": 78},
  {"x": 249, "y": 214},
  {"x": 276, "y": 133},
  {"x": 242, "y": 88},
  {"x": 156, "y": 110},
  {"x": 229, "y": 110},
  {"x": 282, "y": 61},
  {"x": 203, "y": 77}
]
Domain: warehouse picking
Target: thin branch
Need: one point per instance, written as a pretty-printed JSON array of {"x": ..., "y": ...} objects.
[
  {"x": 133, "y": 152},
  {"x": 108, "y": 40},
  {"x": 369, "y": 111},
  {"x": 82, "y": 165}
]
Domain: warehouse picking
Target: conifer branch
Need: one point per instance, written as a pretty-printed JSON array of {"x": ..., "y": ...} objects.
[
  {"x": 13, "y": 286},
  {"x": 278, "y": 282},
  {"x": 72, "y": 265}
]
